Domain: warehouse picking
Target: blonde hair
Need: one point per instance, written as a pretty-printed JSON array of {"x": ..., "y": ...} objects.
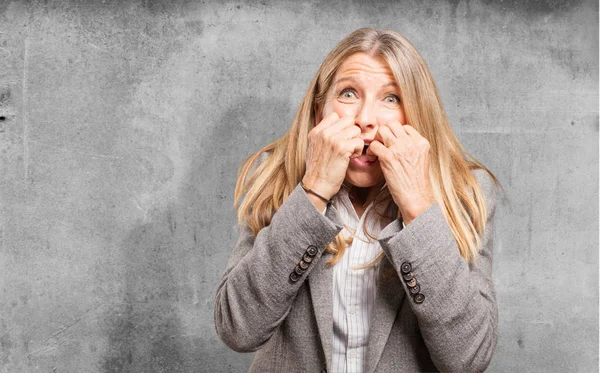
[{"x": 266, "y": 183}]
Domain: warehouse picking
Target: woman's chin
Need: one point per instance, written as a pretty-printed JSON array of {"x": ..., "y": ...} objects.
[{"x": 365, "y": 179}]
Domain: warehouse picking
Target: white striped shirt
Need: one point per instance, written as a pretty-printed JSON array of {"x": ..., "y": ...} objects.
[{"x": 354, "y": 291}]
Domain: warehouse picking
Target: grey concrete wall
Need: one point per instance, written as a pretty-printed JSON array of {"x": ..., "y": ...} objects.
[{"x": 122, "y": 125}]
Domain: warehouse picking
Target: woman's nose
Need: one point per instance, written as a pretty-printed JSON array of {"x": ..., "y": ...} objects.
[{"x": 366, "y": 116}]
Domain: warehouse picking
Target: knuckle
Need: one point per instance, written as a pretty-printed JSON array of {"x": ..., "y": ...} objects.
[{"x": 336, "y": 145}]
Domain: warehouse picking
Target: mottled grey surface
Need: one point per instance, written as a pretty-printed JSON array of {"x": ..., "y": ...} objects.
[{"x": 122, "y": 125}]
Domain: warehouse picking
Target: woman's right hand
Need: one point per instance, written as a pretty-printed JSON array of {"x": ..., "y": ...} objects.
[{"x": 331, "y": 144}]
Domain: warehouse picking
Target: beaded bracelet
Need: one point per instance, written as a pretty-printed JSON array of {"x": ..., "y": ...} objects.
[{"x": 329, "y": 202}]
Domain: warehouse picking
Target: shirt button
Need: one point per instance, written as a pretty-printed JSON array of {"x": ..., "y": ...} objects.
[{"x": 352, "y": 310}]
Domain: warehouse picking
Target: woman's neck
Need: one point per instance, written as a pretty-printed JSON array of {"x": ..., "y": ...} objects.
[{"x": 362, "y": 197}]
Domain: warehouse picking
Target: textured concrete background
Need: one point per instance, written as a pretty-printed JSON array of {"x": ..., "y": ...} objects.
[{"x": 122, "y": 125}]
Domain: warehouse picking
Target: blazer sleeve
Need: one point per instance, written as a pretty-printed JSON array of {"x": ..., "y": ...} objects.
[
  {"x": 256, "y": 292},
  {"x": 458, "y": 316}
]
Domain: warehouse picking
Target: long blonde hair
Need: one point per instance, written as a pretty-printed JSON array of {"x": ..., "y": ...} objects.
[{"x": 267, "y": 177}]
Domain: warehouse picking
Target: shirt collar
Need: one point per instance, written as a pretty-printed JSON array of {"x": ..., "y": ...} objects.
[{"x": 342, "y": 199}]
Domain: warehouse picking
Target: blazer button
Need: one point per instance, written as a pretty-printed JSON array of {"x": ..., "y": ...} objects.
[
  {"x": 294, "y": 277},
  {"x": 409, "y": 276},
  {"x": 312, "y": 250},
  {"x": 415, "y": 289},
  {"x": 303, "y": 264},
  {"x": 307, "y": 258},
  {"x": 299, "y": 271},
  {"x": 419, "y": 298},
  {"x": 412, "y": 283},
  {"x": 405, "y": 268}
]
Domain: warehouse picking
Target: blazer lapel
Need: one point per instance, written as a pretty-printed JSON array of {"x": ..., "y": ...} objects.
[
  {"x": 390, "y": 295},
  {"x": 320, "y": 281}
]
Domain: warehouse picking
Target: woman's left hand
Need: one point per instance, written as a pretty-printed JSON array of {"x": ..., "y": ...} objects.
[{"x": 404, "y": 158}]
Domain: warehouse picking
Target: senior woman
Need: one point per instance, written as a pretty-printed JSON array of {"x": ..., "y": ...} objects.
[{"x": 365, "y": 240}]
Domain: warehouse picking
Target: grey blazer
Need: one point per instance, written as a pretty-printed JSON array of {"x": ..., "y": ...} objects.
[{"x": 259, "y": 307}]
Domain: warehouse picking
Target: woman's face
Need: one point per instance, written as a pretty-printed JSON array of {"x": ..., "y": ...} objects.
[{"x": 365, "y": 88}]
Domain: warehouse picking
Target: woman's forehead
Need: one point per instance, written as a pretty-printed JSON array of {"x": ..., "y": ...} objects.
[{"x": 361, "y": 66}]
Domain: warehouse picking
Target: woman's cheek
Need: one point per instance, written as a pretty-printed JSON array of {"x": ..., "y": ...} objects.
[
  {"x": 341, "y": 109},
  {"x": 397, "y": 114},
  {"x": 327, "y": 109}
]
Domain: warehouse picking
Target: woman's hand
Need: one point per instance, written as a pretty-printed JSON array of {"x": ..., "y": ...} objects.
[
  {"x": 404, "y": 158},
  {"x": 331, "y": 144}
]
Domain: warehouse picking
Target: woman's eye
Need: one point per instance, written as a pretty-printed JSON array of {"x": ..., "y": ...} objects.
[
  {"x": 348, "y": 94},
  {"x": 392, "y": 99}
]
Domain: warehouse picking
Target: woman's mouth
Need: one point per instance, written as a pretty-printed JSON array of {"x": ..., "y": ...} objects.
[
  {"x": 370, "y": 158},
  {"x": 364, "y": 160}
]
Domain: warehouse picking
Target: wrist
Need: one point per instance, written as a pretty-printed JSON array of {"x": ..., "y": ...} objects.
[
  {"x": 411, "y": 213},
  {"x": 319, "y": 204},
  {"x": 319, "y": 187}
]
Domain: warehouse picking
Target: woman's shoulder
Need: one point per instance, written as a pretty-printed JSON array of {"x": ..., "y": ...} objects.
[
  {"x": 484, "y": 178},
  {"x": 487, "y": 182}
]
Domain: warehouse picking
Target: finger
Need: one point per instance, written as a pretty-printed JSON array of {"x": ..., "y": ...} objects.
[
  {"x": 387, "y": 136},
  {"x": 350, "y": 132},
  {"x": 411, "y": 131},
  {"x": 328, "y": 120},
  {"x": 416, "y": 138},
  {"x": 357, "y": 145},
  {"x": 397, "y": 129},
  {"x": 339, "y": 125},
  {"x": 377, "y": 149}
]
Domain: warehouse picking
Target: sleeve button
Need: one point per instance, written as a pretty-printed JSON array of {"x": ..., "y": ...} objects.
[
  {"x": 303, "y": 264},
  {"x": 412, "y": 283},
  {"x": 405, "y": 268},
  {"x": 312, "y": 250},
  {"x": 415, "y": 290},
  {"x": 294, "y": 277},
  {"x": 419, "y": 298},
  {"x": 307, "y": 258},
  {"x": 409, "y": 276},
  {"x": 299, "y": 271}
]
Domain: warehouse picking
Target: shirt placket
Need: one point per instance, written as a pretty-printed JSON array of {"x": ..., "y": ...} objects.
[{"x": 354, "y": 288}]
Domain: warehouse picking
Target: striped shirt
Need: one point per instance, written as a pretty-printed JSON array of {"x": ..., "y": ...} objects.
[{"x": 354, "y": 290}]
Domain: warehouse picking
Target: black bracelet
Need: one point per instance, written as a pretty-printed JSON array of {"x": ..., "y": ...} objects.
[{"x": 329, "y": 202}]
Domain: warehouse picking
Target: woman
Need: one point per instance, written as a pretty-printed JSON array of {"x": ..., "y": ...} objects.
[{"x": 365, "y": 231}]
